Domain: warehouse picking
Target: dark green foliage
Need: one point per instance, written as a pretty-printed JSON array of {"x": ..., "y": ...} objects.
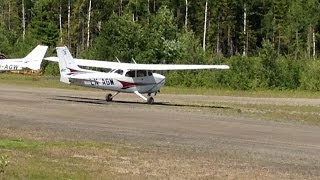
[
  {"x": 268, "y": 59},
  {"x": 246, "y": 73},
  {"x": 52, "y": 68},
  {"x": 4, "y": 41},
  {"x": 120, "y": 38},
  {"x": 44, "y": 27}
]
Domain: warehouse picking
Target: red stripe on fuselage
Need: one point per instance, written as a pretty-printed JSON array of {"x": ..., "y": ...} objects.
[
  {"x": 73, "y": 70},
  {"x": 127, "y": 84}
]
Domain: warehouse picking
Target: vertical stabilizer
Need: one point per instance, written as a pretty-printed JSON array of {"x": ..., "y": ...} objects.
[
  {"x": 34, "y": 58},
  {"x": 66, "y": 64}
]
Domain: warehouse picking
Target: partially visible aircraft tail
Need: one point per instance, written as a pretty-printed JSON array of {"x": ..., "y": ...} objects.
[
  {"x": 67, "y": 65},
  {"x": 34, "y": 58}
]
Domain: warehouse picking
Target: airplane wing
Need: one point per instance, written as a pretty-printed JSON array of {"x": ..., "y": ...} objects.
[{"x": 132, "y": 66}]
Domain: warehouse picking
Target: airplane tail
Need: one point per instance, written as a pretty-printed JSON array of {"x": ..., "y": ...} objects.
[
  {"x": 67, "y": 65},
  {"x": 34, "y": 58}
]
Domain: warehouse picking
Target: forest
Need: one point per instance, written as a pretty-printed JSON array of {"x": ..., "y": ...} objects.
[{"x": 269, "y": 44}]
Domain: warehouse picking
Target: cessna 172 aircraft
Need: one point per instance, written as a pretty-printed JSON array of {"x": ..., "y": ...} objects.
[
  {"x": 31, "y": 61},
  {"x": 123, "y": 77}
]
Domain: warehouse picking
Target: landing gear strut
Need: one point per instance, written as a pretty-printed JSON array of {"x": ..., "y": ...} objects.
[{"x": 149, "y": 100}]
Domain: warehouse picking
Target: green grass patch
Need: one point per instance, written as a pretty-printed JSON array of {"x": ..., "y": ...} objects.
[
  {"x": 14, "y": 144},
  {"x": 37, "y": 81},
  {"x": 248, "y": 93},
  {"x": 63, "y": 159},
  {"x": 303, "y": 114}
]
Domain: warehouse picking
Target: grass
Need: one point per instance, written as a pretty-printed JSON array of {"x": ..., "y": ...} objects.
[
  {"x": 285, "y": 113},
  {"x": 36, "y": 159},
  {"x": 36, "y": 81},
  {"x": 66, "y": 159},
  {"x": 248, "y": 93}
]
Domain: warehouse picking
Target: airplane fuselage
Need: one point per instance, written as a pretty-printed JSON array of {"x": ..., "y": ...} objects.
[
  {"x": 11, "y": 65},
  {"x": 120, "y": 80}
]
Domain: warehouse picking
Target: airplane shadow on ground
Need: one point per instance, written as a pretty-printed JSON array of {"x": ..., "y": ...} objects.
[{"x": 102, "y": 101}]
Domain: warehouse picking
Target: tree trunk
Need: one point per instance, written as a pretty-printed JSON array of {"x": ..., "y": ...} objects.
[
  {"x": 9, "y": 16},
  {"x": 314, "y": 43},
  {"x": 23, "y": 21},
  {"x": 297, "y": 45},
  {"x": 99, "y": 26},
  {"x": 279, "y": 44},
  {"x": 88, "y": 30},
  {"x": 60, "y": 21},
  {"x": 230, "y": 45},
  {"x": 186, "y": 16},
  {"x": 120, "y": 8},
  {"x": 69, "y": 16},
  {"x": 245, "y": 30},
  {"x": 309, "y": 42},
  {"x": 218, "y": 39},
  {"x": 205, "y": 26}
]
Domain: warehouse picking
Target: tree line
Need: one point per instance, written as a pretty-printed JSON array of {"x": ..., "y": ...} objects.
[{"x": 268, "y": 43}]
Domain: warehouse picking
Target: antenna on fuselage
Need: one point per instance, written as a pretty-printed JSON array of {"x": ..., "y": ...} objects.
[
  {"x": 134, "y": 61},
  {"x": 117, "y": 59}
]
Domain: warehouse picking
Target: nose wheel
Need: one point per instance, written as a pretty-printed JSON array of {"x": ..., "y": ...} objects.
[
  {"x": 109, "y": 97},
  {"x": 150, "y": 100}
]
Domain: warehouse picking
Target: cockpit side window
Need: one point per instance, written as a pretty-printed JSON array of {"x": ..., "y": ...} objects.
[
  {"x": 149, "y": 73},
  {"x": 141, "y": 73},
  {"x": 119, "y": 71},
  {"x": 131, "y": 74}
]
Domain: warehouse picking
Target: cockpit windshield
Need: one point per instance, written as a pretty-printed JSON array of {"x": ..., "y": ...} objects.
[
  {"x": 131, "y": 73},
  {"x": 119, "y": 71},
  {"x": 138, "y": 73}
]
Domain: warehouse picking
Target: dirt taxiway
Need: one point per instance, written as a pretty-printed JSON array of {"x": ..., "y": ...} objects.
[{"x": 211, "y": 135}]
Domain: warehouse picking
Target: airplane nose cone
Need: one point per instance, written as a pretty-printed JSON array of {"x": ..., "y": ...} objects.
[{"x": 160, "y": 78}]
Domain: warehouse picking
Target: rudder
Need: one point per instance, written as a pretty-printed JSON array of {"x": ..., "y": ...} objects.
[{"x": 34, "y": 58}]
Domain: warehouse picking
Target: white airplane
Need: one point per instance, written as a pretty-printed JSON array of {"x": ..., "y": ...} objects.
[
  {"x": 123, "y": 77},
  {"x": 31, "y": 61}
]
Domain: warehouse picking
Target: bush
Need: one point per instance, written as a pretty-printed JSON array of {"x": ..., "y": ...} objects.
[
  {"x": 310, "y": 76},
  {"x": 245, "y": 73}
]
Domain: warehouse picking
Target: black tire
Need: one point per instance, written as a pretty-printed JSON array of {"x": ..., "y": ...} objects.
[
  {"x": 109, "y": 97},
  {"x": 150, "y": 100}
]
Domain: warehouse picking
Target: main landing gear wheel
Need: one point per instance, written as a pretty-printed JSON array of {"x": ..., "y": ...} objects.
[
  {"x": 109, "y": 97},
  {"x": 150, "y": 100}
]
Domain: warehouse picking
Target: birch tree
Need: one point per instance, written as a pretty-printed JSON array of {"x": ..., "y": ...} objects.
[
  {"x": 205, "y": 26},
  {"x": 60, "y": 21},
  {"x": 69, "y": 17},
  {"x": 23, "y": 21},
  {"x": 245, "y": 44},
  {"x": 186, "y": 15},
  {"x": 88, "y": 25}
]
